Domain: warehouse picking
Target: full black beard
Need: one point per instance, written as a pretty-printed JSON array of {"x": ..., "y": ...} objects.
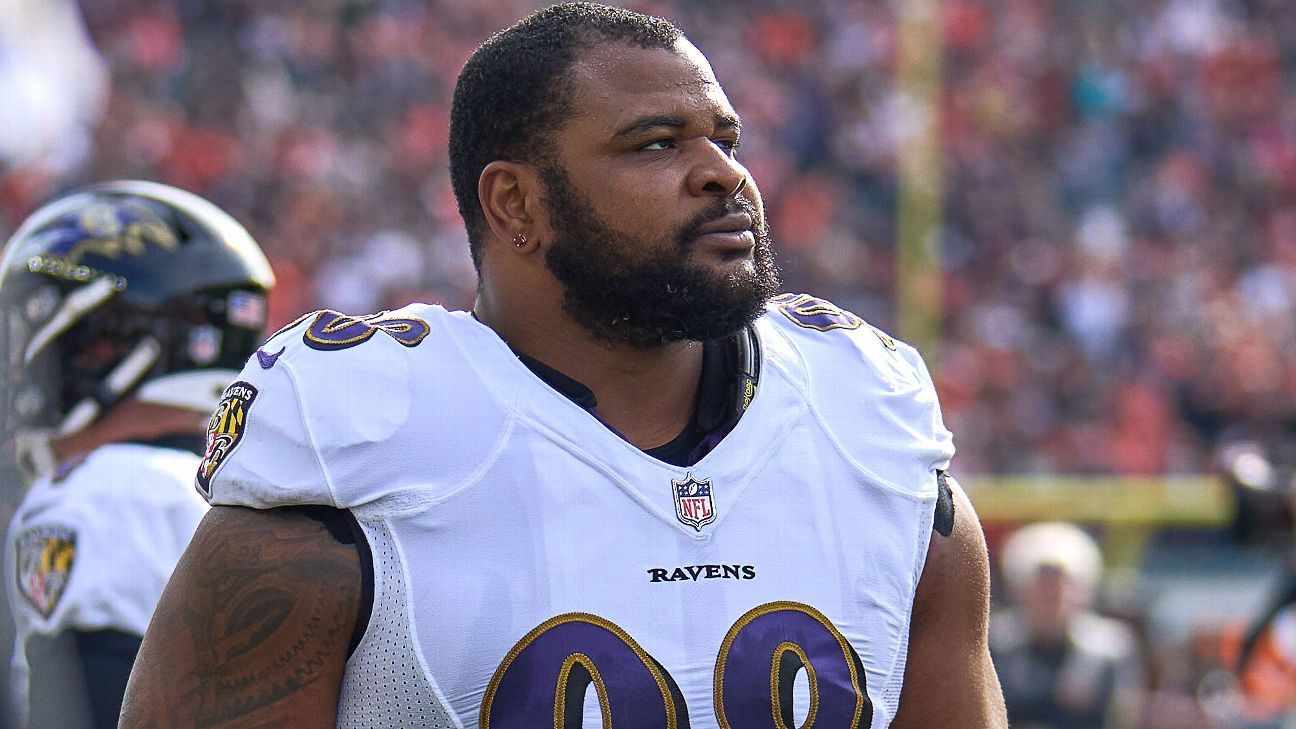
[{"x": 645, "y": 293}]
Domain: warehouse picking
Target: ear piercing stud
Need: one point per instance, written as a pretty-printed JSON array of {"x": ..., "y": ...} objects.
[{"x": 519, "y": 240}]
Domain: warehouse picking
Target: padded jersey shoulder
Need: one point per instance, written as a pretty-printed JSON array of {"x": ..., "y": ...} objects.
[
  {"x": 342, "y": 410},
  {"x": 351, "y": 374},
  {"x": 832, "y": 336},
  {"x": 76, "y": 531},
  {"x": 871, "y": 392},
  {"x": 117, "y": 476}
]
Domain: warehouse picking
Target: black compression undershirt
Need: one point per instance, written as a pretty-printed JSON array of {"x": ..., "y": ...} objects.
[{"x": 709, "y": 415}]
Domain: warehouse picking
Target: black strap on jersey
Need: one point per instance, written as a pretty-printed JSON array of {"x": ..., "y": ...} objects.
[
  {"x": 342, "y": 526},
  {"x": 943, "y": 519}
]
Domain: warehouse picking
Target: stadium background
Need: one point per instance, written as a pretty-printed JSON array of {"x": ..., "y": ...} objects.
[{"x": 1085, "y": 213}]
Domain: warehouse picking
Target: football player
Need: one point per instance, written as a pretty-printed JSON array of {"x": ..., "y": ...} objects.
[
  {"x": 631, "y": 488},
  {"x": 125, "y": 310}
]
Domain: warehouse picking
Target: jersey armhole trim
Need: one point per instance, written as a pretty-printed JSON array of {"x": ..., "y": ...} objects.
[
  {"x": 900, "y": 659},
  {"x": 310, "y": 434},
  {"x": 366, "y": 582}
]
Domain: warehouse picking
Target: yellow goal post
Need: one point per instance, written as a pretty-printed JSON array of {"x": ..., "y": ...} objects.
[{"x": 1130, "y": 509}]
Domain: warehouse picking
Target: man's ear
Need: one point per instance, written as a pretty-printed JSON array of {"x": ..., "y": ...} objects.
[{"x": 509, "y": 194}]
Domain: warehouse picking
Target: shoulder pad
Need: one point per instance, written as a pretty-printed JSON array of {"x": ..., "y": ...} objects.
[
  {"x": 872, "y": 392},
  {"x": 341, "y": 410},
  {"x": 823, "y": 327}
]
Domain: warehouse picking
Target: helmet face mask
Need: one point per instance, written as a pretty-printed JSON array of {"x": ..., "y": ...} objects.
[{"x": 116, "y": 287}]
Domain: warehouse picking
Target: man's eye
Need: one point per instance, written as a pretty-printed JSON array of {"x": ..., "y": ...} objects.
[
  {"x": 730, "y": 146},
  {"x": 658, "y": 145}
]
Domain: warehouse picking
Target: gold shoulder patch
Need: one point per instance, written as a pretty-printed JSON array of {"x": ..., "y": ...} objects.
[{"x": 224, "y": 432}]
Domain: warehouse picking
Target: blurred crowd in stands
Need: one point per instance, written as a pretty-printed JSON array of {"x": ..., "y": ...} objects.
[{"x": 1120, "y": 183}]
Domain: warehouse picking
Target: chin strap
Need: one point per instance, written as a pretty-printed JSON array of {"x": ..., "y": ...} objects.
[{"x": 120, "y": 380}]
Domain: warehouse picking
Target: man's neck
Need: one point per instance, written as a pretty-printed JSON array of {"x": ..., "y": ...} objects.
[{"x": 648, "y": 395}]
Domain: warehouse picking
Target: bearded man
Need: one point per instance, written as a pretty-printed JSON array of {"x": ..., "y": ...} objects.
[{"x": 633, "y": 487}]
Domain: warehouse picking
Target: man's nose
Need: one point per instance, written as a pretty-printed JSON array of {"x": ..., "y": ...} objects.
[{"x": 716, "y": 173}]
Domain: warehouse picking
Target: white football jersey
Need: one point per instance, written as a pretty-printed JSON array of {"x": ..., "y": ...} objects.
[
  {"x": 91, "y": 546},
  {"x": 532, "y": 567}
]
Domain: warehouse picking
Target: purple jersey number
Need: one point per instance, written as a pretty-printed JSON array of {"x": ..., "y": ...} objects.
[
  {"x": 543, "y": 680},
  {"x": 760, "y": 657},
  {"x": 811, "y": 313},
  {"x": 332, "y": 330}
]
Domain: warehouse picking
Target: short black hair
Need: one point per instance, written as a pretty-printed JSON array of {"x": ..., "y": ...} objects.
[{"x": 513, "y": 92}]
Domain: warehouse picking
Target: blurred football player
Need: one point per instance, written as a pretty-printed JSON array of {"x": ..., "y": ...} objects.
[
  {"x": 125, "y": 310},
  {"x": 1267, "y": 666},
  {"x": 631, "y": 488}
]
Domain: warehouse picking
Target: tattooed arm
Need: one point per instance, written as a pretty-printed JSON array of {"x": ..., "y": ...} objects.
[{"x": 253, "y": 628}]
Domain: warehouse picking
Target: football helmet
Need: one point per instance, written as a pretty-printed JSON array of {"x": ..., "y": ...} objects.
[{"x": 127, "y": 288}]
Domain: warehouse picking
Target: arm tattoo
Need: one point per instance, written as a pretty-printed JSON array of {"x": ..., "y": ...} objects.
[{"x": 256, "y": 623}]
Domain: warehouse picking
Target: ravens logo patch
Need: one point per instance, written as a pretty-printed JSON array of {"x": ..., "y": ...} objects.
[
  {"x": 224, "y": 432},
  {"x": 45, "y": 557}
]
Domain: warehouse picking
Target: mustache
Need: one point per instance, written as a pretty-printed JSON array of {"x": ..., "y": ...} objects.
[{"x": 719, "y": 209}]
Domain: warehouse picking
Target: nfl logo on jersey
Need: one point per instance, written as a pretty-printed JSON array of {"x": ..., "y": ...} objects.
[{"x": 693, "y": 504}]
